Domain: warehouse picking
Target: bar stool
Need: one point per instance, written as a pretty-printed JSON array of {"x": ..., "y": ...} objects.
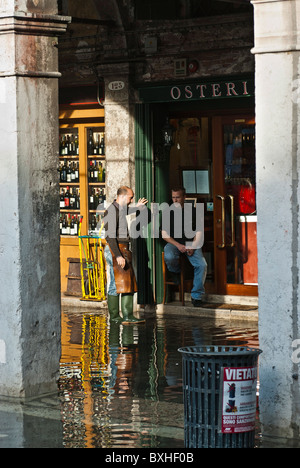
[{"x": 186, "y": 277}]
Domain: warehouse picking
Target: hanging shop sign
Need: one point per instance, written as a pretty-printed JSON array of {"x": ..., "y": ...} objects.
[
  {"x": 199, "y": 91},
  {"x": 238, "y": 399}
]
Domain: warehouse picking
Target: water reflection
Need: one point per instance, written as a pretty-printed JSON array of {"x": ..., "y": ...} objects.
[{"x": 121, "y": 386}]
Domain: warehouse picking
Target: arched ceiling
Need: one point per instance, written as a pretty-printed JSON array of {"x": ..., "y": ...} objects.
[{"x": 109, "y": 32}]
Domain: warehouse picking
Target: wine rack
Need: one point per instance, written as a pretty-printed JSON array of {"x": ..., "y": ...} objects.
[
  {"x": 96, "y": 176},
  {"x": 69, "y": 182},
  {"x": 82, "y": 175},
  {"x": 77, "y": 123}
]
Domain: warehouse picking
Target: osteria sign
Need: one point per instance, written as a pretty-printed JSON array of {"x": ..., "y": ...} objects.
[{"x": 199, "y": 91}]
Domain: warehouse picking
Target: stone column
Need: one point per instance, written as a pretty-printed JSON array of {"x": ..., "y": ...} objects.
[
  {"x": 277, "y": 49},
  {"x": 29, "y": 227},
  {"x": 119, "y": 133}
]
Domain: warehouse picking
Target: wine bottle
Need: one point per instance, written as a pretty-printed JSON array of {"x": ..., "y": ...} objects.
[
  {"x": 100, "y": 201},
  {"x": 69, "y": 173},
  {"x": 60, "y": 171},
  {"x": 92, "y": 200},
  {"x": 77, "y": 172},
  {"x": 91, "y": 172},
  {"x": 63, "y": 144},
  {"x": 98, "y": 145},
  {"x": 72, "y": 227},
  {"x": 69, "y": 141},
  {"x": 66, "y": 147},
  {"x": 68, "y": 225},
  {"x": 73, "y": 199},
  {"x": 73, "y": 150},
  {"x": 64, "y": 226},
  {"x": 77, "y": 207},
  {"x": 90, "y": 143},
  {"x": 75, "y": 225},
  {"x": 72, "y": 172},
  {"x": 62, "y": 200},
  {"x": 102, "y": 147},
  {"x": 95, "y": 172},
  {"x": 96, "y": 200},
  {"x": 63, "y": 174},
  {"x": 76, "y": 143},
  {"x": 67, "y": 198},
  {"x": 104, "y": 199},
  {"x": 100, "y": 172}
]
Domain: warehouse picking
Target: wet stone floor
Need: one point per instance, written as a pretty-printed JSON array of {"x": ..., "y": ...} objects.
[
  {"x": 120, "y": 386},
  {"x": 123, "y": 384}
]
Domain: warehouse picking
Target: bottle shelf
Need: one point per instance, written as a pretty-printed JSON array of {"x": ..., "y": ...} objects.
[
  {"x": 73, "y": 157},
  {"x": 97, "y": 156},
  {"x": 66, "y": 210},
  {"x": 85, "y": 145}
]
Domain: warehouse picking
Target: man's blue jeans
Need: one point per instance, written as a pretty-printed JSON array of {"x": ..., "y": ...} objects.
[
  {"x": 111, "y": 283},
  {"x": 172, "y": 259}
]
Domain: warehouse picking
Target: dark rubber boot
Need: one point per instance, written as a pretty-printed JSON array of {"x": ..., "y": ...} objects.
[{"x": 127, "y": 310}]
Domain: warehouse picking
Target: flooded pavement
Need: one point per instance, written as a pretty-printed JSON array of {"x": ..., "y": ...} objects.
[{"x": 120, "y": 386}]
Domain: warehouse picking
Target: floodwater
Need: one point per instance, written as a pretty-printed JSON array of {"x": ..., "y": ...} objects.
[{"x": 120, "y": 386}]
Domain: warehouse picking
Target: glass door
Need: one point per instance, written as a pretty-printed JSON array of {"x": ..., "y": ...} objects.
[{"x": 235, "y": 205}]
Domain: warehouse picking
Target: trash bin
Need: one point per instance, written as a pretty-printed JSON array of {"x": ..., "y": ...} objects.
[{"x": 219, "y": 390}]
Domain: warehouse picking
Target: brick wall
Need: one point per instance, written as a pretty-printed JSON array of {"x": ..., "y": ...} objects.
[{"x": 99, "y": 40}]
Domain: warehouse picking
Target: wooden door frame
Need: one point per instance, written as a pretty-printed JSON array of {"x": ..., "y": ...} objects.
[{"x": 220, "y": 258}]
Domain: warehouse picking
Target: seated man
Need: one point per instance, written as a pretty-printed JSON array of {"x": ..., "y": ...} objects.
[{"x": 177, "y": 243}]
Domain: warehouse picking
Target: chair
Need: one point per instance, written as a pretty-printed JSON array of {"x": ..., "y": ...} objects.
[{"x": 186, "y": 277}]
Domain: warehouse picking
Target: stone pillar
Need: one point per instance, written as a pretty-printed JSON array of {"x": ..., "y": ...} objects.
[
  {"x": 29, "y": 228},
  {"x": 277, "y": 50},
  {"x": 119, "y": 133}
]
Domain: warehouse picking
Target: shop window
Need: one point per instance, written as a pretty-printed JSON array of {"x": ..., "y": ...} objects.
[
  {"x": 190, "y": 165},
  {"x": 190, "y": 153}
]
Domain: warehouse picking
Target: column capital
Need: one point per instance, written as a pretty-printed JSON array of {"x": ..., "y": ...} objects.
[
  {"x": 37, "y": 24},
  {"x": 30, "y": 45},
  {"x": 48, "y": 7},
  {"x": 277, "y": 26}
]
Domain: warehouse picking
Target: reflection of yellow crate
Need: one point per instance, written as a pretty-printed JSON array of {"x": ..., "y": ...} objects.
[{"x": 92, "y": 267}]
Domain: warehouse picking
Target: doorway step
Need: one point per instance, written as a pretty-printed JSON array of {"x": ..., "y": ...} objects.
[
  {"x": 215, "y": 307},
  {"x": 239, "y": 300}
]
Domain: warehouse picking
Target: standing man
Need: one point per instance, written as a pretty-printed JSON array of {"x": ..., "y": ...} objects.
[
  {"x": 120, "y": 275},
  {"x": 178, "y": 242}
]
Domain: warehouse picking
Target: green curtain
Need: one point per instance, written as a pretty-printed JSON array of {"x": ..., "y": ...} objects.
[
  {"x": 152, "y": 182},
  {"x": 144, "y": 188},
  {"x": 161, "y": 195},
  {"x": 161, "y": 189}
]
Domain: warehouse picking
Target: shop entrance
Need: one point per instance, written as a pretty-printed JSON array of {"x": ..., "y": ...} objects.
[{"x": 213, "y": 157}]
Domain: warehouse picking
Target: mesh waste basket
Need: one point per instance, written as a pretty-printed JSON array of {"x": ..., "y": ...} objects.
[{"x": 219, "y": 391}]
